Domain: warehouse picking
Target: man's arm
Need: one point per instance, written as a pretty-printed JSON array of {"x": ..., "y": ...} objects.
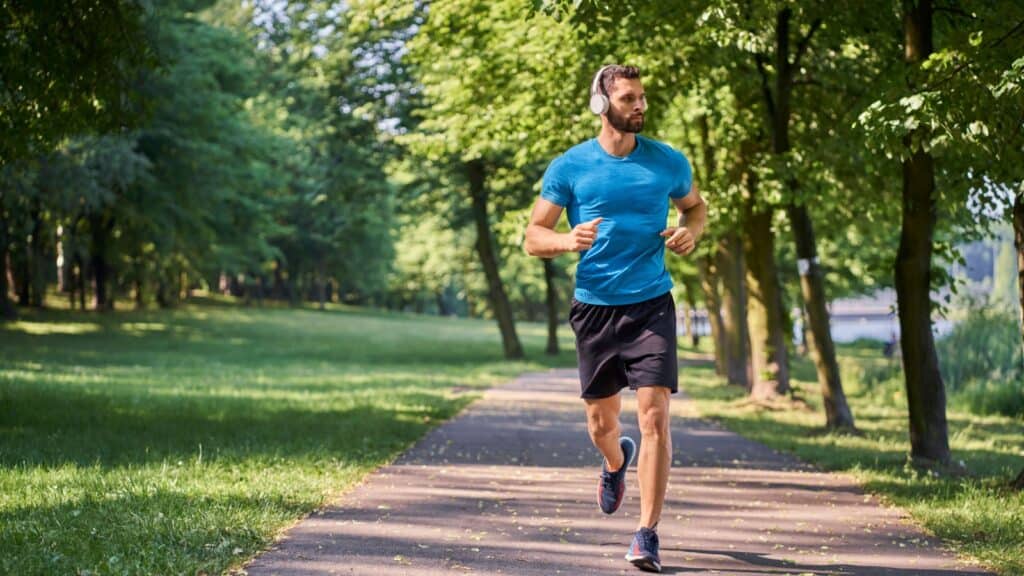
[
  {"x": 543, "y": 241},
  {"x": 693, "y": 213}
]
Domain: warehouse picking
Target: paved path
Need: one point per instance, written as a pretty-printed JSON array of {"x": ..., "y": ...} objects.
[{"x": 508, "y": 487}]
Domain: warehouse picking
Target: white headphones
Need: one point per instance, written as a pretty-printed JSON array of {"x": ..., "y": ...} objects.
[{"x": 599, "y": 103}]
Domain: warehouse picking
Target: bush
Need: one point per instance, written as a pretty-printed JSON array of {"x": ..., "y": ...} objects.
[
  {"x": 980, "y": 361},
  {"x": 992, "y": 397}
]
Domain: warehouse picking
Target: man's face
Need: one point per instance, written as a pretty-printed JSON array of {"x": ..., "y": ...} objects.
[{"x": 626, "y": 109}]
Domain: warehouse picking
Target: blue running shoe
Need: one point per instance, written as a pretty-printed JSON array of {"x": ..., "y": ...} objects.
[
  {"x": 613, "y": 484},
  {"x": 643, "y": 552}
]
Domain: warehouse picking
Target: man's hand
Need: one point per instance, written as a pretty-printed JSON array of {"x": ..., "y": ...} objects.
[
  {"x": 680, "y": 239},
  {"x": 582, "y": 236}
]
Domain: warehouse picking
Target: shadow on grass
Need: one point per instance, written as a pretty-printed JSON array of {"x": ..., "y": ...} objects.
[{"x": 51, "y": 426}]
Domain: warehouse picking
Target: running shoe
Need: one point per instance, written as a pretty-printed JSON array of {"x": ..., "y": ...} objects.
[
  {"x": 613, "y": 484},
  {"x": 643, "y": 552}
]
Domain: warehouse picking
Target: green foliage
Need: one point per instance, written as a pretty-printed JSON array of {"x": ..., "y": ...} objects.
[
  {"x": 68, "y": 68},
  {"x": 981, "y": 360}
]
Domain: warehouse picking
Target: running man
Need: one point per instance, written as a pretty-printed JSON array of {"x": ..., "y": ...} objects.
[{"x": 616, "y": 189}]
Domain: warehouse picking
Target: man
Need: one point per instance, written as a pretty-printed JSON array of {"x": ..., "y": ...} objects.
[{"x": 616, "y": 189}]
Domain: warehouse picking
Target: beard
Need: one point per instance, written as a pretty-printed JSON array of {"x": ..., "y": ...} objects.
[{"x": 622, "y": 123}]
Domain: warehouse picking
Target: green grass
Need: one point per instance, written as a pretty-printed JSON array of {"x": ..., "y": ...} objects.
[
  {"x": 181, "y": 442},
  {"x": 976, "y": 515}
]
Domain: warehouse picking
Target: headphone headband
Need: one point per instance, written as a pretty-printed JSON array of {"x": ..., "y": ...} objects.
[{"x": 595, "y": 87}]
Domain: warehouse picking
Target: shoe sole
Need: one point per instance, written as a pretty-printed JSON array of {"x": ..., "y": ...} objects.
[{"x": 644, "y": 563}]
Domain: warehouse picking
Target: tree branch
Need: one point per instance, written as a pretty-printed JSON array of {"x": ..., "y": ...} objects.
[
  {"x": 806, "y": 81},
  {"x": 765, "y": 85},
  {"x": 805, "y": 42},
  {"x": 966, "y": 63},
  {"x": 953, "y": 10}
]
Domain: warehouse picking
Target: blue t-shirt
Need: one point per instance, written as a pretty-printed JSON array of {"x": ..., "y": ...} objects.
[{"x": 626, "y": 264}]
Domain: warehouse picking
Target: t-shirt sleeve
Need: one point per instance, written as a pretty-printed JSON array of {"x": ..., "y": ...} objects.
[
  {"x": 684, "y": 177},
  {"x": 555, "y": 186}
]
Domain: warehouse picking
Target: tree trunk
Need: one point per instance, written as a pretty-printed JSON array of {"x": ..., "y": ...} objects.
[
  {"x": 764, "y": 304},
  {"x": 684, "y": 311},
  {"x": 81, "y": 281},
  {"x": 804, "y": 331},
  {"x": 691, "y": 310},
  {"x": 709, "y": 265},
  {"x": 926, "y": 395},
  {"x": 62, "y": 263},
  {"x": 1018, "y": 236},
  {"x": 101, "y": 228},
  {"x": 731, "y": 268},
  {"x": 278, "y": 292},
  {"x": 37, "y": 260},
  {"x": 71, "y": 285},
  {"x": 22, "y": 275},
  {"x": 812, "y": 284},
  {"x": 140, "y": 279},
  {"x": 552, "y": 307},
  {"x": 817, "y": 327},
  {"x": 488, "y": 258},
  {"x": 709, "y": 280},
  {"x": 7, "y": 309},
  {"x": 321, "y": 283}
]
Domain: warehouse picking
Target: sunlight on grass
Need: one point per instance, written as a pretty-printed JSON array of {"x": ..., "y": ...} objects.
[
  {"x": 978, "y": 515},
  {"x": 181, "y": 442},
  {"x": 44, "y": 328}
]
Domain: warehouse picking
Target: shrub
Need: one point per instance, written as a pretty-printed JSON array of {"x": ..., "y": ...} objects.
[{"x": 980, "y": 361}]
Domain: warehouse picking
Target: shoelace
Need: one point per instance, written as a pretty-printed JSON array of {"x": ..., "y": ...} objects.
[{"x": 608, "y": 479}]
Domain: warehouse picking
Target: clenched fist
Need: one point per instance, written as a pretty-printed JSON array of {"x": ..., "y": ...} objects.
[
  {"x": 680, "y": 239},
  {"x": 582, "y": 236}
]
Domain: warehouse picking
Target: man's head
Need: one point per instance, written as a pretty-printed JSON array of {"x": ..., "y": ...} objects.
[{"x": 626, "y": 102}]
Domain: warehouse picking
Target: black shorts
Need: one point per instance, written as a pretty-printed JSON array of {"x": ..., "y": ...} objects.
[{"x": 631, "y": 345}]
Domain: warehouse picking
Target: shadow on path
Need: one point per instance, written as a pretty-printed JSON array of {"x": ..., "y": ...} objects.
[{"x": 508, "y": 487}]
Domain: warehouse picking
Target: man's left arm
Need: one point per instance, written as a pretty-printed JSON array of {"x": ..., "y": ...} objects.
[{"x": 693, "y": 213}]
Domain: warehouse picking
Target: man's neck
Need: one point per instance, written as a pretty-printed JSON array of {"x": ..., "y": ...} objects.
[{"x": 616, "y": 143}]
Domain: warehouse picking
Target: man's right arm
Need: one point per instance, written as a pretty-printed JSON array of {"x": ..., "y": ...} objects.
[{"x": 543, "y": 241}]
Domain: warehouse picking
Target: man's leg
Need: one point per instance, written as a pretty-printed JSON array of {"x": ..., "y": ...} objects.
[
  {"x": 603, "y": 425},
  {"x": 655, "y": 451}
]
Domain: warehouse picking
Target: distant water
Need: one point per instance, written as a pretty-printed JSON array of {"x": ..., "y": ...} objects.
[{"x": 848, "y": 329}]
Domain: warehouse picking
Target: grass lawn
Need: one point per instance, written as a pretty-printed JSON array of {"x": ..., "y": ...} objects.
[
  {"x": 181, "y": 442},
  {"x": 978, "y": 515}
]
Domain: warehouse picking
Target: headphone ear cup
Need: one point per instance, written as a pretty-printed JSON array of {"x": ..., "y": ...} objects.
[{"x": 598, "y": 104}]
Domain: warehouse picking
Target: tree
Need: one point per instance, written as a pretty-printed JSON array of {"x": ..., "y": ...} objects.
[
  {"x": 483, "y": 100},
  {"x": 64, "y": 69},
  {"x": 778, "y": 103},
  {"x": 926, "y": 395}
]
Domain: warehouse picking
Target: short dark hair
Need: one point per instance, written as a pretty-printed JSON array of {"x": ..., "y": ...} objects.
[{"x": 611, "y": 73}]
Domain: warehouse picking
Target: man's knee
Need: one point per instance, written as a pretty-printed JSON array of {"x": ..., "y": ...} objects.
[
  {"x": 602, "y": 424},
  {"x": 653, "y": 418}
]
